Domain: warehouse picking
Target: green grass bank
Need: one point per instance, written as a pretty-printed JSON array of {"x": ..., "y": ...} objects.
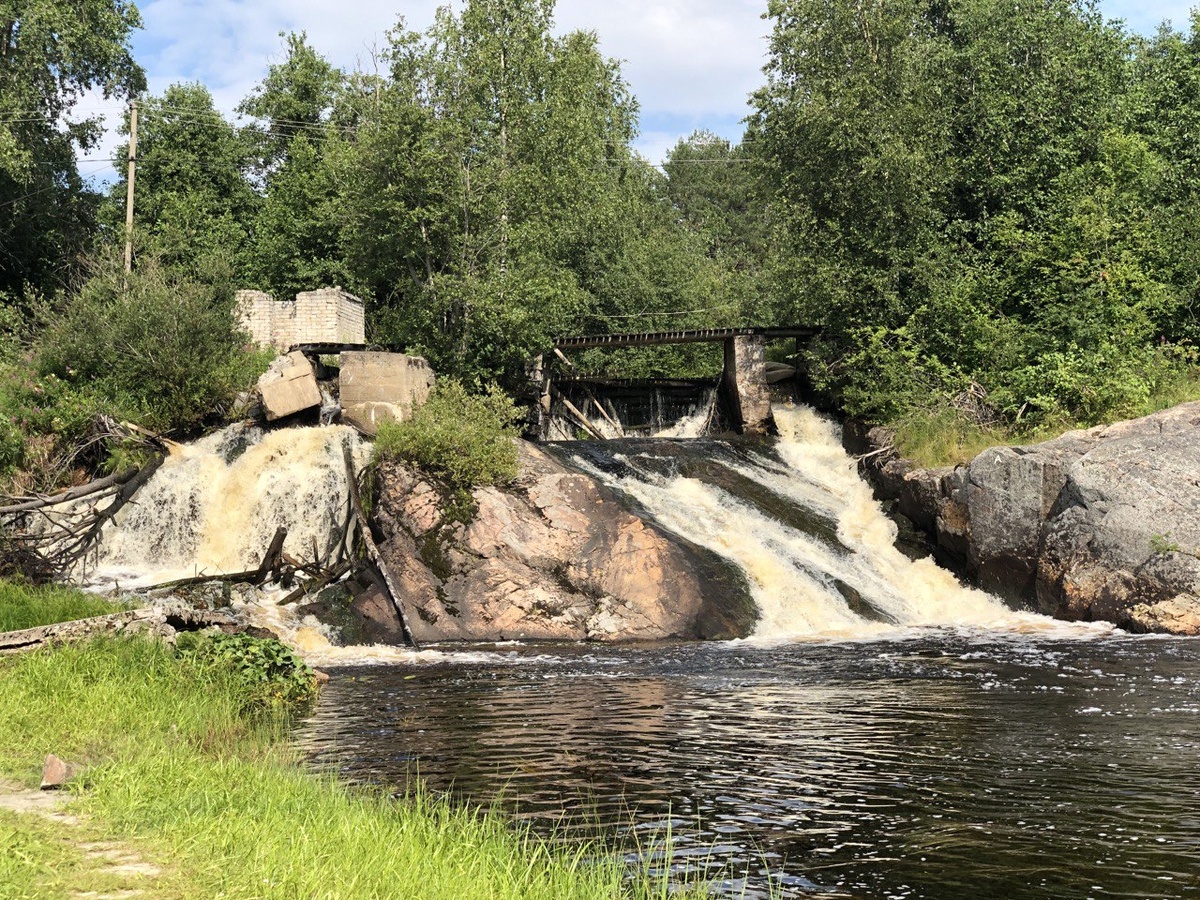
[{"x": 189, "y": 768}]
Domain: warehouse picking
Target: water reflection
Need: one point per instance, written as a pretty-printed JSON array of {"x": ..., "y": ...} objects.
[{"x": 939, "y": 767}]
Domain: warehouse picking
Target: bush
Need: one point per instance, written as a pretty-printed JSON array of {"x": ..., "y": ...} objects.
[
  {"x": 269, "y": 674},
  {"x": 464, "y": 439},
  {"x": 155, "y": 347}
]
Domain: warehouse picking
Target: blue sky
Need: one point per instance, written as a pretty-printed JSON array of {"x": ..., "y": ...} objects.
[{"x": 691, "y": 63}]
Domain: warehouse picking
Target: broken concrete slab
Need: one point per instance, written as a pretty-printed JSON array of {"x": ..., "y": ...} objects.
[
  {"x": 289, "y": 386},
  {"x": 380, "y": 387}
]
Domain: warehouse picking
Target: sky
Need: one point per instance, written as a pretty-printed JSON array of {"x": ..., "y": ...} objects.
[{"x": 691, "y": 63}]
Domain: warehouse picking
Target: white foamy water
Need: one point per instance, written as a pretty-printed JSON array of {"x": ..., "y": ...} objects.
[
  {"x": 317, "y": 642},
  {"x": 215, "y": 504},
  {"x": 794, "y": 576},
  {"x": 213, "y": 508},
  {"x": 695, "y": 423}
]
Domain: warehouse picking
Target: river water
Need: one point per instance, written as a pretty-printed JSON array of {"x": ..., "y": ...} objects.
[
  {"x": 884, "y": 732},
  {"x": 945, "y": 765}
]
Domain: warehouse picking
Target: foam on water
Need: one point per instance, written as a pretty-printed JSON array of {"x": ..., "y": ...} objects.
[
  {"x": 801, "y": 582},
  {"x": 215, "y": 504}
]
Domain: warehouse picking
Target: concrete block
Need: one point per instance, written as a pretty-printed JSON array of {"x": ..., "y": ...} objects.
[
  {"x": 379, "y": 387},
  {"x": 744, "y": 384},
  {"x": 289, "y": 386}
]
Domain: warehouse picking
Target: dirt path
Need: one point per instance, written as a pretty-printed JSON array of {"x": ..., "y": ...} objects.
[{"x": 109, "y": 870}]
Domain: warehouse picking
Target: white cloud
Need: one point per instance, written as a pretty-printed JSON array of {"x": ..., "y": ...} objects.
[{"x": 683, "y": 58}]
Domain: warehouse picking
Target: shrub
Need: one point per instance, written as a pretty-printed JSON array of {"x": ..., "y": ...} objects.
[
  {"x": 156, "y": 347},
  {"x": 464, "y": 439},
  {"x": 268, "y": 673}
]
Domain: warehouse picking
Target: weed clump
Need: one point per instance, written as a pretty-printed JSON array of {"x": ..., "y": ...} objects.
[
  {"x": 464, "y": 439},
  {"x": 268, "y": 675}
]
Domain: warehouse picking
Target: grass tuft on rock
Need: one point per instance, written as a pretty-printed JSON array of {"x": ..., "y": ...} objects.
[{"x": 463, "y": 439}]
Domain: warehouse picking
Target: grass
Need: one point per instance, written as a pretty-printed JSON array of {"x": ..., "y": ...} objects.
[
  {"x": 946, "y": 437},
  {"x": 217, "y": 799},
  {"x": 23, "y": 606},
  {"x": 44, "y": 859}
]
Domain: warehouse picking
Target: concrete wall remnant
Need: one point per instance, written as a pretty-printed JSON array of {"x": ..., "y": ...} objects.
[
  {"x": 379, "y": 387},
  {"x": 289, "y": 386},
  {"x": 325, "y": 316}
]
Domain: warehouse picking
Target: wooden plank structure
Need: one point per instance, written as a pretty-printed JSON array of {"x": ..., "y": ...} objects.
[
  {"x": 684, "y": 336},
  {"x": 744, "y": 395}
]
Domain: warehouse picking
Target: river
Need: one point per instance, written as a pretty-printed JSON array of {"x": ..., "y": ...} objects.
[
  {"x": 947, "y": 765},
  {"x": 882, "y": 732}
]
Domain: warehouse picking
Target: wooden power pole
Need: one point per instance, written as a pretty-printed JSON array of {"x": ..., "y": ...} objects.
[{"x": 133, "y": 111}]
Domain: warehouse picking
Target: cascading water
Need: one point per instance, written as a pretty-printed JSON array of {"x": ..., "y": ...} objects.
[
  {"x": 816, "y": 548},
  {"x": 661, "y": 415},
  {"x": 213, "y": 508},
  {"x": 215, "y": 504}
]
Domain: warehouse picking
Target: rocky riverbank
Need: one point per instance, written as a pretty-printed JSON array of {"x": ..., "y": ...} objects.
[
  {"x": 552, "y": 557},
  {"x": 1102, "y": 524}
]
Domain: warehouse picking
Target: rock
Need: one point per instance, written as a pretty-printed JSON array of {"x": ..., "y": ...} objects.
[
  {"x": 1179, "y": 615},
  {"x": 381, "y": 387},
  {"x": 289, "y": 386},
  {"x": 553, "y": 558},
  {"x": 365, "y": 615},
  {"x": 56, "y": 772},
  {"x": 1101, "y": 524}
]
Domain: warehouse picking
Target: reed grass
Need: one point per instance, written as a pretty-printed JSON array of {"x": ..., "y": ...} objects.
[
  {"x": 26, "y": 606},
  {"x": 219, "y": 800}
]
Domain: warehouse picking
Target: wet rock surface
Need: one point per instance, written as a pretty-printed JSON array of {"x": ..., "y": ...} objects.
[
  {"x": 553, "y": 557},
  {"x": 1102, "y": 524}
]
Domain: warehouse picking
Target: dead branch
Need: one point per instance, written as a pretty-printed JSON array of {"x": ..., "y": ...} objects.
[{"x": 373, "y": 551}]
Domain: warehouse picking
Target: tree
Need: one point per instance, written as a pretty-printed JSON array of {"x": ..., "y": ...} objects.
[
  {"x": 194, "y": 202},
  {"x": 965, "y": 204},
  {"x": 487, "y": 169},
  {"x": 295, "y": 99},
  {"x": 294, "y": 242},
  {"x": 51, "y": 54}
]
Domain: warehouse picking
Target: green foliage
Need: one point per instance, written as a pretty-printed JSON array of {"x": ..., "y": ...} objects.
[
  {"x": 194, "y": 201},
  {"x": 464, "y": 439},
  {"x": 268, "y": 674},
  {"x": 1163, "y": 544},
  {"x": 159, "y": 348},
  {"x": 25, "y": 606},
  {"x": 973, "y": 195},
  {"x": 53, "y": 55}
]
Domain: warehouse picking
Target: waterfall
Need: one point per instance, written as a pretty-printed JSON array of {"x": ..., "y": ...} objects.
[
  {"x": 215, "y": 504},
  {"x": 685, "y": 413},
  {"x": 816, "y": 548}
]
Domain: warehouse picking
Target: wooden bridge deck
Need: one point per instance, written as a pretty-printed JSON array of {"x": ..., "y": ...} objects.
[{"x": 687, "y": 336}]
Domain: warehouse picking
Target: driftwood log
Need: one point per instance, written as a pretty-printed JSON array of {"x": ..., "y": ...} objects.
[{"x": 160, "y": 620}]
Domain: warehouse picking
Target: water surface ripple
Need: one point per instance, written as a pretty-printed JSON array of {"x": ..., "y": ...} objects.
[{"x": 944, "y": 765}]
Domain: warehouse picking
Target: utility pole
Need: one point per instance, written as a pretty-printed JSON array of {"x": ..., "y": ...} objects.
[{"x": 133, "y": 111}]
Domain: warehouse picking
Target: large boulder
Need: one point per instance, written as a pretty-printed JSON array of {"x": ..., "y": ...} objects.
[
  {"x": 1102, "y": 524},
  {"x": 553, "y": 557}
]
